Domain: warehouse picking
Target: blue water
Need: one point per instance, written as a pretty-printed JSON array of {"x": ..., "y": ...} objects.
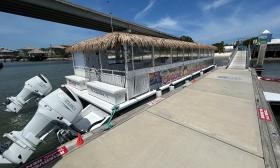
[{"x": 271, "y": 70}]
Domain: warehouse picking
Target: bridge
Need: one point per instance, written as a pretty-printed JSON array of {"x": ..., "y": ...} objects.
[{"x": 71, "y": 14}]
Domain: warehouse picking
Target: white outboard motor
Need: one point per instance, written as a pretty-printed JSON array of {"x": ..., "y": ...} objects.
[
  {"x": 57, "y": 109},
  {"x": 34, "y": 87}
]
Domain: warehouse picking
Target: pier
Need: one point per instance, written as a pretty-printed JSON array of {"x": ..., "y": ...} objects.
[{"x": 211, "y": 123}]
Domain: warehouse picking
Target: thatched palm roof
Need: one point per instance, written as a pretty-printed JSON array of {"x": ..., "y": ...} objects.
[{"x": 114, "y": 39}]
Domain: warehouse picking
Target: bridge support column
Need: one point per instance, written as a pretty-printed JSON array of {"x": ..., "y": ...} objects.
[{"x": 261, "y": 55}]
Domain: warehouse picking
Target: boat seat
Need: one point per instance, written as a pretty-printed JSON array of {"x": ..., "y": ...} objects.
[
  {"x": 90, "y": 116},
  {"x": 109, "y": 93},
  {"x": 76, "y": 81}
]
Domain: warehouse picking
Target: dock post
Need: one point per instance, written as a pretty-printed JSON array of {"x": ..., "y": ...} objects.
[
  {"x": 158, "y": 93},
  {"x": 188, "y": 82},
  {"x": 171, "y": 88}
]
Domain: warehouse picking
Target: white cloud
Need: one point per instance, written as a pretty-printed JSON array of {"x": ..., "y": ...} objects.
[
  {"x": 144, "y": 12},
  {"x": 215, "y": 4},
  {"x": 166, "y": 23},
  {"x": 236, "y": 26},
  {"x": 239, "y": 24}
]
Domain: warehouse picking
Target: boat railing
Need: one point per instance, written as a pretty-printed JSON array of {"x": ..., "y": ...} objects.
[
  {"x": 113, "y": 72},
  {"x": 113, "y": 77}
]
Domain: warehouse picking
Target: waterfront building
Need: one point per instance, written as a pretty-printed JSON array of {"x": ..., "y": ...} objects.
[
  {"x": 58, "y": 51},
  {"x": 273, "y": 45},
  {"x": 7, "y": 53},
  {"x": 36, "y": 55},
  {"x": 229, "y": 48}
]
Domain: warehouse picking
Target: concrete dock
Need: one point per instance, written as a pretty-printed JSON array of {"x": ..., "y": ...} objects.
[{"x": 211, "y": 123}]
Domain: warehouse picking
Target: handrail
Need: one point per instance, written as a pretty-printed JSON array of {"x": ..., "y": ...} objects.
[
  {"x": 116, "y": 72},
  {"x": 112, "y": 71},
  {"x": 231, "y": 56},
  {"x": 248, "y": 57}
]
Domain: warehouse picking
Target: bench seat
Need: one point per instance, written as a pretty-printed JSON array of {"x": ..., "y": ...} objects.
[
  {"x": 112, "y": 94},
  {"x": 76, "y": 81}
]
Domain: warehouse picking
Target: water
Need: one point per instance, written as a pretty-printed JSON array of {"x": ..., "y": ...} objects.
[
  {"x": 12, "y": 78},
  {"x": 271, "y": 70}
]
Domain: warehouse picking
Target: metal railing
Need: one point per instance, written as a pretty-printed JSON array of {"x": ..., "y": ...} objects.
[
  {"x": 113, "y": 77},
  {"x": 231, "y": 56},
  {"x": 248, "y": 57}
]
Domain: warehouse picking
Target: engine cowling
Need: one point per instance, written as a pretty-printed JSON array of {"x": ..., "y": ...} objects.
[{"x": 59, "y": 107}]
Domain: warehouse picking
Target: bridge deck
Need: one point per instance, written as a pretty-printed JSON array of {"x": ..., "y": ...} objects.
[
  {"x": 212, "y": 123},
  {"x": 238, "y": 61}
]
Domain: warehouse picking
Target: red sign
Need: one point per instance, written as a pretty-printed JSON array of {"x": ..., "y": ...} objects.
[
  {"x": 264, "y": 114},
  {"x": 46, "y": 159}
]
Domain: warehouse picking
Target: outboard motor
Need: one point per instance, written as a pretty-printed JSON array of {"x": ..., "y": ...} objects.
[
  {"x": 57, "y": 109},
  {"x": 34, "y": 87}
]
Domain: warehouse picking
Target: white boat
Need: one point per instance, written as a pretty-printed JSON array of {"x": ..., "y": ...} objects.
[{"x": 111, "y": 73}]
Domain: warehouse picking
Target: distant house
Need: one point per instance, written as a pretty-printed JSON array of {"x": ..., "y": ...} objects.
[
  {"x": 23, "y": 52},
  {"x": 8, "y": 54},
  {"x": 57, "y": 51},
  {"x": 37, "y": 55},
  {"x": 228, "y": 48},
  {"x": 273, "y": 45}
]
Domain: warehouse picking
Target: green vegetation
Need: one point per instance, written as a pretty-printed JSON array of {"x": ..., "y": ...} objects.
[
  {"x": 186, "y": 38},
  {"x": 220, "y": 46}
]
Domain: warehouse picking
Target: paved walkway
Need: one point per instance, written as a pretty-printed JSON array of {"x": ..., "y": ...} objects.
[
  {"x": 212, "y": 123},
  {"x": 238, "y": 61}
]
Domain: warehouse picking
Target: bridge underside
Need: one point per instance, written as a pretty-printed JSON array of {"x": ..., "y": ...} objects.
[{"x": 67, "y": 13}]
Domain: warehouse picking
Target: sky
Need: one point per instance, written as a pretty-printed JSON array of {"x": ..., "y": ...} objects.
[{"x": 206, "y": 21}]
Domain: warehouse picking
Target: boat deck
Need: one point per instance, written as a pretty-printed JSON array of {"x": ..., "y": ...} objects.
[
  {"x": 211, "y": 123},
  {"x": 269, "y": 86},
  {"x": 271, "y": 91}
]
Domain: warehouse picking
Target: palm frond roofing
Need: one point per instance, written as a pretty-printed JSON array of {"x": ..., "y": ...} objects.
[{"x": 115, "y": 39}]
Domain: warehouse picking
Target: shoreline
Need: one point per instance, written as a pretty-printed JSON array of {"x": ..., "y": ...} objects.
[{"x": 46, "y": 60}]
